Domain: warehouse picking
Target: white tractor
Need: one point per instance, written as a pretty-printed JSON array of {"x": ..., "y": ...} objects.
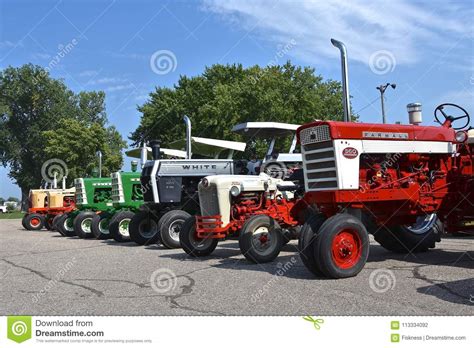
[{"x": 258, "y": 209}]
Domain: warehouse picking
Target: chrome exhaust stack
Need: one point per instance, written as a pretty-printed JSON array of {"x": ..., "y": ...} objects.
[
  {"x": 345, "y": 79},
  {"x": 187, "y": 121},
  {"x": 143, "y": 155}
]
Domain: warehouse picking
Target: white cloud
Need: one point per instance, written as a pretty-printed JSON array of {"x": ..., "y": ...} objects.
[
  {"x": 10, "y": 44},
  {"x": 120, "y": 87},
  {"x": 42, "y": 56},
  {"x": 401, "y": 27},
  {"x": 88, "y": 73},
  {"x": 106, "y": 80}
]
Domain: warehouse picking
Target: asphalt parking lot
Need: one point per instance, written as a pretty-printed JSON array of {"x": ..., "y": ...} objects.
[{"x": 42, "y": 273}]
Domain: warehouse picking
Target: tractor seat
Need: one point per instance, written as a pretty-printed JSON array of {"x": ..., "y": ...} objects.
[{"x": 470, "y": 136}]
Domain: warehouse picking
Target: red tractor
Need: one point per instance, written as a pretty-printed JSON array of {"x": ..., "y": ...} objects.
[
  {"x": 45, "y": 205},
  {"x": 402, "y": 183}
]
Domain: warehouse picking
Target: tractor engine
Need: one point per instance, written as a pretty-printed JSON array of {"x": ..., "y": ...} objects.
[{"x": 351, "y": 165}]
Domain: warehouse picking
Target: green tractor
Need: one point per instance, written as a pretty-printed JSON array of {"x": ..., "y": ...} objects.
[
  {"x": 126, "y": 196},
  {"x": 93, "y": 201}
]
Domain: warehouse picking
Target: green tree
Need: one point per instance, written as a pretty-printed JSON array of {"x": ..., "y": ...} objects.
[
  {"x": 225, "y": 95},
  {"x": 76, "y": 143},
  {"x": 11, "y": 207},
  {"x": 32, "y": 105},
  {"x": 12, "y": 199}
]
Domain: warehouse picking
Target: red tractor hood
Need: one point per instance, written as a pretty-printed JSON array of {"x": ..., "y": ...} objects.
[{"x": 376, "y": 131}]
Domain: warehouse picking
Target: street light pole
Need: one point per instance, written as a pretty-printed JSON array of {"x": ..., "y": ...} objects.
[{"x": 382, "y": 89}]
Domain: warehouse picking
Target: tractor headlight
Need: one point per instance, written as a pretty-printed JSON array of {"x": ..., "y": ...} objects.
[
  {"x": 461, "y": 136},
  {"x": 205, "y": 183},
  {"x": 235, "y": 191}
]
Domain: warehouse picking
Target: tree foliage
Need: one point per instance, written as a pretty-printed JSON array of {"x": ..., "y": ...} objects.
[
  {"x": 225, "y": 95},
  {"x": 33, "y": 108}
]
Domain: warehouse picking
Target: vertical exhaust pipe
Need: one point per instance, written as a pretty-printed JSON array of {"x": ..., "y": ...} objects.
[
  {"x": 187, "y": 121},
  {"x": 155, "y": 149},
  {"x": 64, "y": 182},
  {"x": 345, "y": 79},
  {"x": 143, "y": 155}
]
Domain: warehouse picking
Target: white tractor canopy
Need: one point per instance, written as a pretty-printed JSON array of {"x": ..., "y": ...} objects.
[
  {"x": 272, "y": 131},
  {"x": 136, "y": 153},
  {"x": 265, "y": 129},
  {"x": 207, "y": 147}
]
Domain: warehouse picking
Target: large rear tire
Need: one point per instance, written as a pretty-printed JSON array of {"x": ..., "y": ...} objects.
[
  {"x": 341, "y": 247},
  {"x": 119, "y": 226},
  {"x": 65, "y": 225},
  {"x": 170, "y": 226},
  {"x": 143, "y": 228},
  {"x": 34, "y": 222},
  {"x": 306, "y": 240},
  {"x": 419, "y": 237},
  {"x": 261, "y": 239},
  {"x": 83, "y": 224},
  {"x": 192, "y": 245}
]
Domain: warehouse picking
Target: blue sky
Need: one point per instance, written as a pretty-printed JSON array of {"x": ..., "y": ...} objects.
[{"x": 126, "y": 47}]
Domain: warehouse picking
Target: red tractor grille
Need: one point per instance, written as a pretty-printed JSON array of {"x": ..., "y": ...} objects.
[{"x": 210, "y": 227}]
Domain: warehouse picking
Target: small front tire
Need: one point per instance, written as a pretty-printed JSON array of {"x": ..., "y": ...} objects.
[
  {"x": 261, "y": 239},
  {"x": 83, "y": 224},
  {"x": 119, "y": 226},
  {"x": 65, "y": 225},
  {"x": 192, "y": 245},
  {"x": 100, "y": 226},
  {"x": 341, "y": 247},
  {"x": 170, "y": 226},
  {"x": 143, "y": 228}
]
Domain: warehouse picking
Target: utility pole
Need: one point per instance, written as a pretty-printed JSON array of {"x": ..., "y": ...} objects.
[{"x": 382, "y": 89}]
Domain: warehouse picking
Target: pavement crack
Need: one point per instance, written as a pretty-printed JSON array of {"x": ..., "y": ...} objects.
[
  {"x": 417, "y": 274},
  {"x": 186, "y": 290},
  {"x": 42, "y": 275},
  {"x": 140, "y": 285}
]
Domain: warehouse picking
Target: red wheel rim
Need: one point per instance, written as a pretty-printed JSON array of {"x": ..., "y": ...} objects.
[
  {"x": 346, "y": 248},
  {"x": 35, "y": 222}
]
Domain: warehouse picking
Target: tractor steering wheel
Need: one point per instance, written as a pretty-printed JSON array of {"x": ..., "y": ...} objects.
[{"x": 440, "y": 110}]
